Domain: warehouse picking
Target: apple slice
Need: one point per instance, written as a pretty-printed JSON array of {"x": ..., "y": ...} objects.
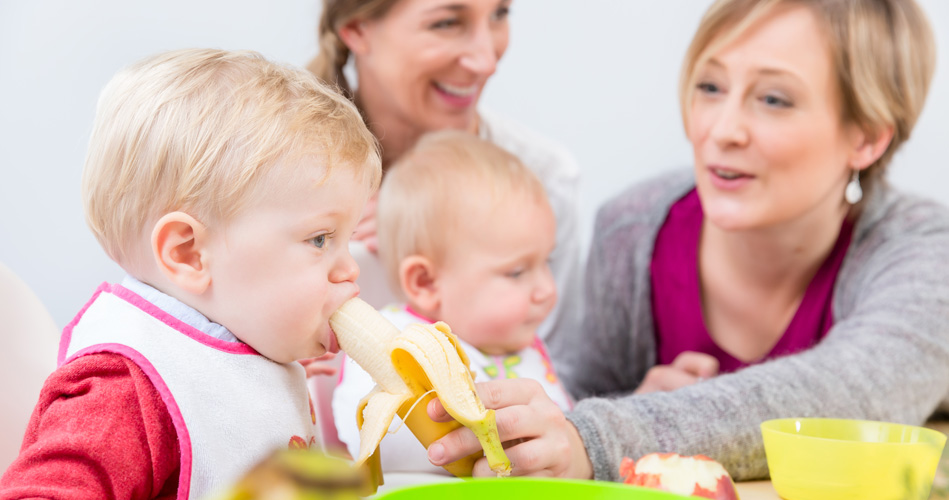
[{"x": 697, "y": 475}]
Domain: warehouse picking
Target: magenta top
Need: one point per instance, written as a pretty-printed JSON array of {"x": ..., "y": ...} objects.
[{"x": 676, "y": 295}]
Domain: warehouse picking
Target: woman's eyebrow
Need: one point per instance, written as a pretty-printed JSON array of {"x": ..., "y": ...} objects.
[
  {"x": 457, "y": 7},
  {"x": 761, "y": 69}
]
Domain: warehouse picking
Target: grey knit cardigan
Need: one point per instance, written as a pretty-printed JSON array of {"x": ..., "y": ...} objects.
[{"x": 886, "y": 357}]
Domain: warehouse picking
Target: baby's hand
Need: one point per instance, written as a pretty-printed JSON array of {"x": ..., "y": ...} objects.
[
  {"x": 366, "y": 229},
  {"x": 317, "y": 366},
  {"x": 688, "y": 368}
]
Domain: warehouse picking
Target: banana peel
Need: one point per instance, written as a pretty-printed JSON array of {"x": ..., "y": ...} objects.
[{"x": 411, "y": 368}]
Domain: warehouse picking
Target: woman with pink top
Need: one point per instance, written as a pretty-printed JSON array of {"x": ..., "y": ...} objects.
[{"x": 781, "y": 277}]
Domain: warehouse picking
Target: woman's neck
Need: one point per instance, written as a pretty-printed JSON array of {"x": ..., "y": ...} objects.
[
  {"x": 780, "y": 260},
  {"x": 395, "y": 135}
]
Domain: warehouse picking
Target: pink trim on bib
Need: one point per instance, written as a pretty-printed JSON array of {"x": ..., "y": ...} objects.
[
  {"x": 67, "y": 332},
  {"x": 150, "y": 309},
  {"x": 192, "y": 332},
  {"x": 417, "y": 314}
]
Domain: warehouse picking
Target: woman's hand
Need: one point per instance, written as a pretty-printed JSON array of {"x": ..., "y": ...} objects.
[
  {"x": 538, "y": 439},
  {"x": 366, "y": 229},
  {"x": 686, "y": 369},
  {"x": 317, "y": 366}
]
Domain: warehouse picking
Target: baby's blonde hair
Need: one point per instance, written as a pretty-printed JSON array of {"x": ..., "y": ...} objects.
[
  {"x": 203, "y": 131},
  {"x": 431, "y": 189},
  {"x": 883, "y": 52}
]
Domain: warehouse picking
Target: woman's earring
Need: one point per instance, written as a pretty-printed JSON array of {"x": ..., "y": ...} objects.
[{"x": 854, "y": 193}]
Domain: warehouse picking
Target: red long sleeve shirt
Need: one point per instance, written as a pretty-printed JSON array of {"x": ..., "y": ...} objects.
[{"x": 100, "y": 430}]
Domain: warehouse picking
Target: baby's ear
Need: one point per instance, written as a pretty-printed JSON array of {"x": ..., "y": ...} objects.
[
  {"x": 179, "y": 244},
  {"x": 418, "y": 279}
]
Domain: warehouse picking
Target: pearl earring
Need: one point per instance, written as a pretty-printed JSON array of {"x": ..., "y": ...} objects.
[{"x": 854, "y": 193}]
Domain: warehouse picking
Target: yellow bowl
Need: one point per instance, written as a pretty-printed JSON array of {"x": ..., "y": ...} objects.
[{"x": 838, "y": 459}]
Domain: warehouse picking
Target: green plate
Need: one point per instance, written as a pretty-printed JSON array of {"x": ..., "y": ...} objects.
[{"x": 526, "y": 488}]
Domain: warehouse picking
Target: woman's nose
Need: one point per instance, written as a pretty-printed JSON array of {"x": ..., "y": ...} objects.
[
  {"x": 729, "y": 127},
  {"x": 483, "y": 49}
]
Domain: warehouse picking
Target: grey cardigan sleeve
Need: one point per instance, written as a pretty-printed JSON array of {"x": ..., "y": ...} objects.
[{"x": 886, "y": 357}]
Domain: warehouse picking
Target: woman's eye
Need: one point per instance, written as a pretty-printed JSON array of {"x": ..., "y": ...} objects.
[
  {"x": 446, "y": 23},
  {"x": 318, "y": 241},
  {"x": 708, "y": 87},
  {"x": 775, "y": 101},
  {"x": 501, "y": 13}
]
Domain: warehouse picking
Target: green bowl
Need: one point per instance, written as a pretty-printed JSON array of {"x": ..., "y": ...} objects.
[{"x": 526, "y": 488}]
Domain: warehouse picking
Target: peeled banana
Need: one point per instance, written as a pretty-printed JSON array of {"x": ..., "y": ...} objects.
[{"x": 410, "y": 369}]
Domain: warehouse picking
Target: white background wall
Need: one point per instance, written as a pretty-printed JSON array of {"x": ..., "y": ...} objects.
[{"x": 599, "y": 76}]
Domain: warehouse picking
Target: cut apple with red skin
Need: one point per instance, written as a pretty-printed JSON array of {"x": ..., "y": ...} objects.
[{"x": 696, "y": 475}]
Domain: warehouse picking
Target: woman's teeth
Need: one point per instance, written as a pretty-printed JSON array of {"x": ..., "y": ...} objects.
[
  {"x": 456, "y": 90},
  {"x": 727, "y": 174}
]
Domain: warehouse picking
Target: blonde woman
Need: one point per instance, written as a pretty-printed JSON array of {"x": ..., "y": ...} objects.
[
  {"x": 420, "y": 66},
  {"x": 782, "y": 257}
]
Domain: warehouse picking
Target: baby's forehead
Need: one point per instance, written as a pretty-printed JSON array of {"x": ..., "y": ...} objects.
[
  {"x": 313, "y": 175},
  {"x": 480, "y": 206},
  {"x": 316, "y": 165}
]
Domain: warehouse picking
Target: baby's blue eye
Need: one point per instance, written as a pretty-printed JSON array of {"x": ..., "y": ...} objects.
[{"x": 318, "y": 241}]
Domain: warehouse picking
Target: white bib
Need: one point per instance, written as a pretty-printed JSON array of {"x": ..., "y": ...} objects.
[{"x": 230, "y": 405}]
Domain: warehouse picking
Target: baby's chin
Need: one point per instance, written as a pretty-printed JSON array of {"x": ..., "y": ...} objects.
[
  {"x": 520, "y": 342},
  {"x": 284, "y": 357}
]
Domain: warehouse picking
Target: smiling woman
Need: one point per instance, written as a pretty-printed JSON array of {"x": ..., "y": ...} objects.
[{"x": 421, "y": 66}]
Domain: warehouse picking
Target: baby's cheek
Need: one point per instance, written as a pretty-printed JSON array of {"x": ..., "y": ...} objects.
[{"x": 509, "y": 326}]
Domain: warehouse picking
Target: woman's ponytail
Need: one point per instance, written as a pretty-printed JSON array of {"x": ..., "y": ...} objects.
[{"x": 333, "y": 53}]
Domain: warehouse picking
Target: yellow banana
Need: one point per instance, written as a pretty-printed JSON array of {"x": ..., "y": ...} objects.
[{"x": 411, "y": 368}]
